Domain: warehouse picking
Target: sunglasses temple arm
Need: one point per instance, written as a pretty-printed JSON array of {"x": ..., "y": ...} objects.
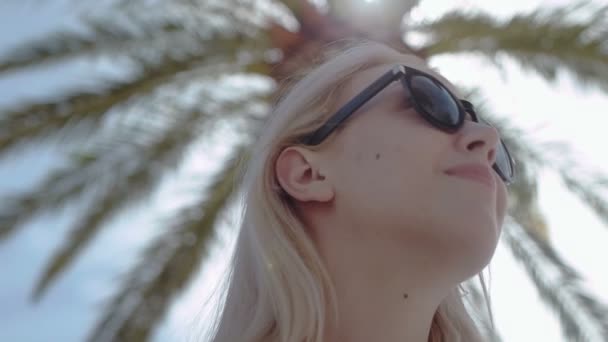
[{"x": 351, "y": 106}]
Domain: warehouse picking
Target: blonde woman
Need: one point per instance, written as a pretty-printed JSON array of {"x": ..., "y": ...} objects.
[{"x": 373, "y": 193}]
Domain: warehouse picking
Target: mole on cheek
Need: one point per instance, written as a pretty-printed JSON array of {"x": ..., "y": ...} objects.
[{"x": 377, "y": 156}]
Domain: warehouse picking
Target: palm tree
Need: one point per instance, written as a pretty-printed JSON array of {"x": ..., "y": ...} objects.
[{"x": 174, "y": 46}]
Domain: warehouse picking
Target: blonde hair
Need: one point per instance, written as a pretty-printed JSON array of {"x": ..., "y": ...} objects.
[{"x": 278, "y": 287}]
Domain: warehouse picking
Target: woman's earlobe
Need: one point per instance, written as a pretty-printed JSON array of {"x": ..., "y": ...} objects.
[{"x": 297, "y": 172}]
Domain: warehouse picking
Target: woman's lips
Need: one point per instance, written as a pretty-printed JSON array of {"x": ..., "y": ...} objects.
[{"x": 476, "y": 172}]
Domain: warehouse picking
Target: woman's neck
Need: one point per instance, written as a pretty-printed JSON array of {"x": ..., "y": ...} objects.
[{"x": 387, "y": 296}]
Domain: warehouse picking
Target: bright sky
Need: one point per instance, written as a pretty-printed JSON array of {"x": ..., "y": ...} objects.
[{"x": 545, "y": 112}]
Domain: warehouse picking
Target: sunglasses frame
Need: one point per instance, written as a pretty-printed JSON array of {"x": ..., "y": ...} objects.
[{"x": 404, "y": 74}]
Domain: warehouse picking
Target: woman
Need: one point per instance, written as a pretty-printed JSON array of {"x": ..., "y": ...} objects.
[{"x": 372, "y": 194}]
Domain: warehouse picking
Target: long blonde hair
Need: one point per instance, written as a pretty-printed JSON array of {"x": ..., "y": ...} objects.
[{"x": 278, "y": 288}]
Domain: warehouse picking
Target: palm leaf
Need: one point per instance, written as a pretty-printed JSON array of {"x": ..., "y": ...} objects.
[
  {"x": 526, "y": 233},
  {"x": 60, "y": 187},
  {"x": 586, "y": 188},
  {"x": 71, "y": 113},
  {"x": 580, "y": 315},
  {"x": 128, "y": 187},
  {"x": 103, "y": 39},
  {"x": 137, "y": 32},
  {"x": 562, "y": 293},
  {"x": 70, "y": 183},
  {"x": 544, "y": 41},
  {"x": 67, "y": 184},
  {"x": 167, "y": 265}
]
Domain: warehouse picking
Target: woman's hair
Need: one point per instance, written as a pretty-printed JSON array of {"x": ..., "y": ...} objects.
[{"x": 278, "y": 288}]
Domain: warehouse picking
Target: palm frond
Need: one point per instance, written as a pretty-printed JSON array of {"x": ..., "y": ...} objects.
[
  {"x": 127, "y": 187},
  {"x": 103, "y": 39},
  {"x": 138, "y": 32},
  {"x": 168, "y": 264},
  {"x": 586, "y": 188},
  {"x": 585, "y": 183},
  {"x": 130, "y": 184},
  {"x": 87, "y": 167},
  {"x": 579, "y": 313},
  {"x": 557, "y": 282},
  {"x": 78, "y": 113},
  {"x": 523, "y": 207},
  {"x": 58, "y": 189},
  {"x": 544, "y": 41},
  {"x": 526, "y": 233}
]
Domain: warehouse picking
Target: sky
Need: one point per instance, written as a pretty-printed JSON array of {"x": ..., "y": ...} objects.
[{"x": 562, "y": 111}]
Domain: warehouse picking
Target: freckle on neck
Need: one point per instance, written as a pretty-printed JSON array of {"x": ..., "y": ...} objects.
[{"x": 377, "y": 156}]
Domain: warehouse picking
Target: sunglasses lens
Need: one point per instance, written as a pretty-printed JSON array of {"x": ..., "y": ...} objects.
[
  {"x": 434, "y": 100},
  {"x": 503, "y": 162}
]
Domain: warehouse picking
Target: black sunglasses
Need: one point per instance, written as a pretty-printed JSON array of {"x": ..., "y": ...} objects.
[{"x": 430, "y": 98}]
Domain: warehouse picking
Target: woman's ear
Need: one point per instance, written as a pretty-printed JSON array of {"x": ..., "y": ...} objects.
[{"x": 299, "y": 173}]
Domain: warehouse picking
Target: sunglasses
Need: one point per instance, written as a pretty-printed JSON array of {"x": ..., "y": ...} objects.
[{"x": 431, "y": 99}]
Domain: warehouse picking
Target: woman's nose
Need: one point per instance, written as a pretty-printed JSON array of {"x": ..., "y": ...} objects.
[{"x": 479, "y": 138}]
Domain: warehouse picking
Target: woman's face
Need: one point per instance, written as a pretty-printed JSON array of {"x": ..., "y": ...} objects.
[{"x": 389, "y": 170}]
